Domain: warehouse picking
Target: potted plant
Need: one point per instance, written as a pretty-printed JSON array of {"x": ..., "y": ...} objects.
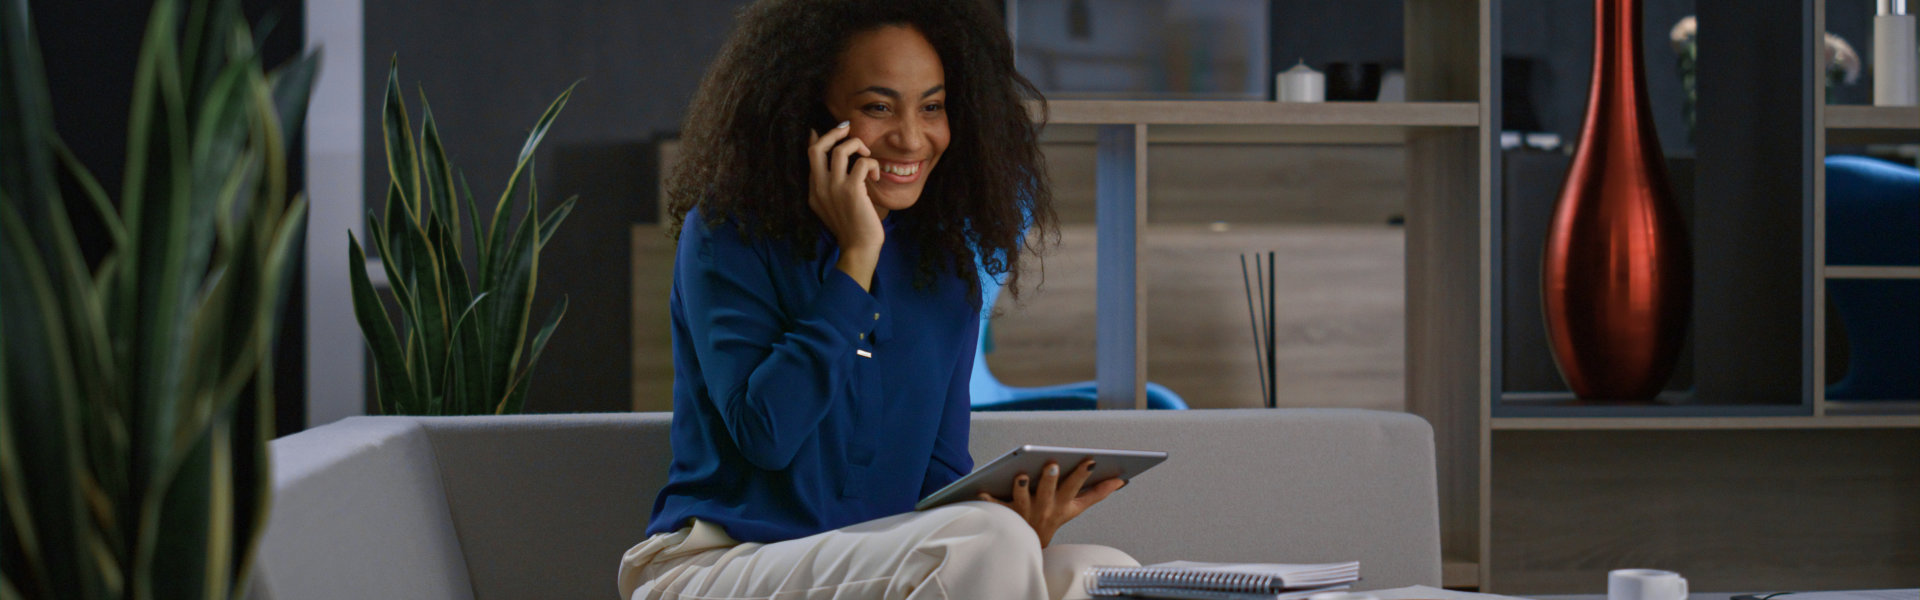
[
  {"x": 136, "y": 393},
  {"x": 461, "y": 336}
]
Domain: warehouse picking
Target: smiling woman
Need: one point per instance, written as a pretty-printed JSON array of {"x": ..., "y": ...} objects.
[{"x": 846, "y": 163}]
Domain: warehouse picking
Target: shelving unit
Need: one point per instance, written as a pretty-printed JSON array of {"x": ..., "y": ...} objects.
[
  {"x": 1447, "y": 131},
  {"x": 1746, "y": 485},
  {"x": 1123, "y": 130}
]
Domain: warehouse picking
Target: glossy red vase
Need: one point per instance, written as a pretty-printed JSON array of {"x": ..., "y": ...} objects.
[{"x": 1617, "y": 274}]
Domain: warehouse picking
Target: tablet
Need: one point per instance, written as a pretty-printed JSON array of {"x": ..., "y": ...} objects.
[{"x": 996, "y": 477}]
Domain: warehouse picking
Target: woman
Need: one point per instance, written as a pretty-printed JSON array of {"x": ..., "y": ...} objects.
[{"x": 844, "y": 161}]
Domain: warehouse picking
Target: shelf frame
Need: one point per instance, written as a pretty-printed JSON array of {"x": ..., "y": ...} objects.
[
  {"x": 1251, "y": 112},
  {"x": 1870, "y": 272},
  {"x": 1841, "y": 117}
]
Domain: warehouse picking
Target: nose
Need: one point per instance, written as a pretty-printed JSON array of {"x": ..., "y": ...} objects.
[{"x": 910, "y": 136}]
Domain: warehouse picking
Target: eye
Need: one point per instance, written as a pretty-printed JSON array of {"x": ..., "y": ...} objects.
[
  {"x": 936, "y": 107},
  {"x": 876, "y": 108}
]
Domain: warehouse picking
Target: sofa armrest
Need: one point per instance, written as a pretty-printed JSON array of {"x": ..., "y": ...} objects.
[{"x": 358, "y": 512}]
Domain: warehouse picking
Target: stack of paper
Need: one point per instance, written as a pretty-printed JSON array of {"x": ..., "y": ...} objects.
[{"x": 1221, "y": 581}]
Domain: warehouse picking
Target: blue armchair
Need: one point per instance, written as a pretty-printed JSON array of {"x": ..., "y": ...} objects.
[
  {"x": 1873, "y": 219},
  {"x": 989, "y": 394}
]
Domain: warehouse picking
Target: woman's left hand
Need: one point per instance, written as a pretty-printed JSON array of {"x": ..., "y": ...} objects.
[{"x": 1051, "y": 502}]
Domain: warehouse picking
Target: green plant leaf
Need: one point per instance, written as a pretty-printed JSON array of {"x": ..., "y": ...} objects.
[
  {"x": 26, "y": 112},
  {"x": 401, "y": 163},
  {"x": 393, "y": 269},
  {"x": 514, "y": 278},
  {"x": 390, "y": 373},
  {"x": 553, "y": 220},
  {"x": 293, "y": 89},
  {"x": 393, "y": 245},
  {"x": 432, "y": 317},
  {"x": 516, "y": 399},
  {"x": 460, "y": 367},
  {"x": 473, "y": 222},
  {"x": 50, "y": 450},
  {"x": 437, "y": 176},
  {"x": 497, "y": 231},
  {"x": 185, "y": 513}
]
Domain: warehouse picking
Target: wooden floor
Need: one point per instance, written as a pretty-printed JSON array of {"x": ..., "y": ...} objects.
[{"x": 1340, "y": 335}]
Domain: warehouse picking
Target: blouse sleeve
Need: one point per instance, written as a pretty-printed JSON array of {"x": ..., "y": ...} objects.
[
  {"x": 951, "y": 459},
  {"x": 773, "y": 377}
]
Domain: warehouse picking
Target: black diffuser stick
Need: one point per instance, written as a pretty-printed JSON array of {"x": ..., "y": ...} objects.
[
  {"x": 1273, "y": 373},
  {"x": 1253, "y": 323}
]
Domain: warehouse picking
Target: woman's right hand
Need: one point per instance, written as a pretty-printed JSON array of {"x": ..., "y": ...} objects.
[{"x": 837, "y": 192}]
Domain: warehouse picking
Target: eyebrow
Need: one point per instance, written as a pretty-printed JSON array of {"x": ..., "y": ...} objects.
[{"x": 890, "y": 93}]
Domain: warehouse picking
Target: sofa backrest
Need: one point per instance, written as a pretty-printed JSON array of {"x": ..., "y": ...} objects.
[
  {"x": 1255, "y": 485},
  {"x": 358, "y": 512},
  {"x": 543, "y": 506}
]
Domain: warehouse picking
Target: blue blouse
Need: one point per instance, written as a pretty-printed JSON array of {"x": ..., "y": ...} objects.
[{"x": 802, "y": 403}]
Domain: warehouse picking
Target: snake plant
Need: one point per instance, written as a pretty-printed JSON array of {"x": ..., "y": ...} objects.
[
  {"x": 136, "y": 391},
  {"x": 463, "y": 334}
]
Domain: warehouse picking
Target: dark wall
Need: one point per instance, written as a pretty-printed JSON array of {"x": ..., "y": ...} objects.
[
  {"x": 90, "y": 51},
  {"x": 490, "y": 68},
  {"x": 1320, "y": 32}
]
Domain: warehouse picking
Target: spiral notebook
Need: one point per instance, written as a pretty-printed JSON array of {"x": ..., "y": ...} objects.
[{"x": 1222, "y": 581}]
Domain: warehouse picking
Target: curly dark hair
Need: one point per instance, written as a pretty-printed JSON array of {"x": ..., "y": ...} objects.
[{"x": 743, "y": 145}]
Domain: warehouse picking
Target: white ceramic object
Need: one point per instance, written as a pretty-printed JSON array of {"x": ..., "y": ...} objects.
[
  {"x": 1896, "y": 69},
  {"x": 1300, "y": 84},
  {"x": 1645, "y": 584}
]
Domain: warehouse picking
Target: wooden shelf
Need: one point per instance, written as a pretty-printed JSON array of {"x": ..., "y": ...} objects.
[
  {"x": 1848, "y": 272},
  {"x": 1873, "y": 408},
  {"x": 1851, "y": 125},
  {"x": 1700, "y": 423},
  {"x": 1885, "y": 118},
  {"x": 1343, "y": 135},
  {"x": 1249, "y": 112}
]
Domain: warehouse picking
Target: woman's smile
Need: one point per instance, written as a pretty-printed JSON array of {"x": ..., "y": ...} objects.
[{"x": 900, "y": 172}]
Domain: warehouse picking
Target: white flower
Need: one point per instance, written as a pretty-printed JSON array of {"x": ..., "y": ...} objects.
[
  {"x": 1841, "y": 55},
  {"x": 1682, "y": 33}
]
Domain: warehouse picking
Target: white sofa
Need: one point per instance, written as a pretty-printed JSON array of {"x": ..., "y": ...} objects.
[{"x": 542, "y": 506}]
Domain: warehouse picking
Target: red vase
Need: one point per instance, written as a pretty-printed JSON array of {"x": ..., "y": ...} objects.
[{"x": 1617, "y": 275}]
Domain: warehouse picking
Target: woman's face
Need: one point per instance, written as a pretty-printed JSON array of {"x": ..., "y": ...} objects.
[{"x": 890, "y": 86}]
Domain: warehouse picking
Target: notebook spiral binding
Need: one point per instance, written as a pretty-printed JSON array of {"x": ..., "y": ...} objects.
[{"x": 1118, "y": 579}]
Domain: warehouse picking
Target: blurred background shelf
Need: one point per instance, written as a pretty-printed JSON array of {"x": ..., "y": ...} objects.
[
  {"x": 1855, "y": 272},
  {"x": 1860, "y": 125},
  {"x": 1208, "y": 112},
  {"x": 1888, "y": 118}
]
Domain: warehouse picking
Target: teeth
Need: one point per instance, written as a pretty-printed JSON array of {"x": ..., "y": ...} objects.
[{"x": 902, "y": 170}]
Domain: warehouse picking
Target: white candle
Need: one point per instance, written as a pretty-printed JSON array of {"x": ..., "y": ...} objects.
[{"x": 1300, "y": 84}]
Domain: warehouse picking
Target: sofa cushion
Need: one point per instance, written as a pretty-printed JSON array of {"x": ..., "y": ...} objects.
[{"x": 358, "y": 512}]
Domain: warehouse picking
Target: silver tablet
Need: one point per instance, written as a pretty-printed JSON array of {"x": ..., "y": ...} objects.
[{"x": 996, "y": 477}]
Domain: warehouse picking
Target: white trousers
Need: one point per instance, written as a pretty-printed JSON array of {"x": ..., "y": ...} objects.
[{"x": 964, "y": 551}]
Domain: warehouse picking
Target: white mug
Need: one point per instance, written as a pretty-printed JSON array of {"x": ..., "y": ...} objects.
[{"x": 1645, "y": 584}]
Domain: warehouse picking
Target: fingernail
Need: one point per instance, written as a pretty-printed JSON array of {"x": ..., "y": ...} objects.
[
  {"x": 1053, "y": 469},
  {"x": 1090, "y": 465},
  {"x": 1022, "y": 482},
  {"x": 843, "y": 125}
]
